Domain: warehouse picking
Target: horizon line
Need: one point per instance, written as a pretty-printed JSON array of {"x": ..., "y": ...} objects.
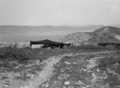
[{"x": 60, "y": 25}]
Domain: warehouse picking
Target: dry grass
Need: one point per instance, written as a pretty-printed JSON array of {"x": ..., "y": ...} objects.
[{"x": 74, "y": 67}]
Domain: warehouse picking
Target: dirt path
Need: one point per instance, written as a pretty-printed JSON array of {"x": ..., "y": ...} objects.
[{"x": 46, "y": 73}]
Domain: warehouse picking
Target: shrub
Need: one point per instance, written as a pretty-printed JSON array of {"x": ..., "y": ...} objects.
[
  {"x": 12, "y": 53},
  {"x": 24, "y": 54}
]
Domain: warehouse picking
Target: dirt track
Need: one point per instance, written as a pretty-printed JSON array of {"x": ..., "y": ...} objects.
[{"x": 34, "y": 82}]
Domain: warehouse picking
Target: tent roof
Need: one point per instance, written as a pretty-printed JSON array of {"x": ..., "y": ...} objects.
[{"x": 46, "y": 41}]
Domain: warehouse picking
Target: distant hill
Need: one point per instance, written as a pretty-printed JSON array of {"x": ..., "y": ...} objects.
[
  {"x": 7, "y": 29},
  {"x": 101, "y": 35},
  {"x": 108, "y": 29}
]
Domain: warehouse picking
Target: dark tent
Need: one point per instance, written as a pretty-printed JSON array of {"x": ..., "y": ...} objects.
[{"x": 48, "y": 43}]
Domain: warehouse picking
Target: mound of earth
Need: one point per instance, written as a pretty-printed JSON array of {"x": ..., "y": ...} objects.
[{"x": 106, "y": 34}]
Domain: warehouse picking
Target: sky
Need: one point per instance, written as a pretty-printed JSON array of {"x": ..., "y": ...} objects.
[{"x": 59, "y": 12}]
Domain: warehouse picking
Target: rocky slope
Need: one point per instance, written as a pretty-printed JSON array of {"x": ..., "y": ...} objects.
[
  {"x": 84, "y": 71},
  {"x": 79, "y": 69},
  {"x": 104, "y": 34}
]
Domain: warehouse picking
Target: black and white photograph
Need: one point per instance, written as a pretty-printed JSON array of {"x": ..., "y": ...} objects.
[{"x": 59, "y": 43}]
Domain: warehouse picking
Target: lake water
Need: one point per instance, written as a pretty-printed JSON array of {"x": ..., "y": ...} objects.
[{"x": 26, "y": 37}]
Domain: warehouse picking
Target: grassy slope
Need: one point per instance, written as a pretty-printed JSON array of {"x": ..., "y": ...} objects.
[{"x": 86, "y": 66}]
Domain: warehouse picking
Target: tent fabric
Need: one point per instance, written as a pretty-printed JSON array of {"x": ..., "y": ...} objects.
[{"x": 45, "y": 42}]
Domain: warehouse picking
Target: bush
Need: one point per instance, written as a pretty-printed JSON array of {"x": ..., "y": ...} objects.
[
  {"x": 12, "y": 53},
  {"x": 24, "y": 54}
]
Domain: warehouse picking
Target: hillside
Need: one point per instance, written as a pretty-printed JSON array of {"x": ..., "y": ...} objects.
[
  {"x": 108, "y": 29},
  {"x": 102, "y": 35},
  {"x": 74, "y": 67}
]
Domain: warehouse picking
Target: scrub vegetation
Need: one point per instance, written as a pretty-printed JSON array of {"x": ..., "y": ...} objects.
[{"x": 86, "y": 66}]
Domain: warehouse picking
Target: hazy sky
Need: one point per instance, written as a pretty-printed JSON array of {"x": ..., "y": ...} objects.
[{"x": 59, "y": 12}]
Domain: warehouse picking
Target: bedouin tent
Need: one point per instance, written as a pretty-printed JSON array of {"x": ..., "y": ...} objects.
[
  {"x": 49, "y": 43},
  {"x": 46, "y": 41}
]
